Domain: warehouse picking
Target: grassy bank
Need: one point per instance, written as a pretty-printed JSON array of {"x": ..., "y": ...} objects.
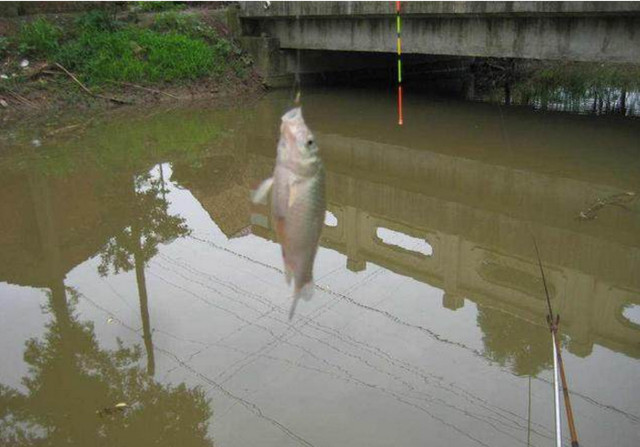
[{"x": 142, "y": 52}]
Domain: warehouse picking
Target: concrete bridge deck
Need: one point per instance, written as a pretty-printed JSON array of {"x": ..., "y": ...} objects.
[{"x": 578, "y": 31}]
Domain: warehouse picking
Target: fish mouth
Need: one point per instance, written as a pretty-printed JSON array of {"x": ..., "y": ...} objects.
[{"x": 294, "y": 114}]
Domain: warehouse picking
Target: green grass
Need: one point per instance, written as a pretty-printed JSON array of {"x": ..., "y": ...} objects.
[{"x": 136, "y": 55}]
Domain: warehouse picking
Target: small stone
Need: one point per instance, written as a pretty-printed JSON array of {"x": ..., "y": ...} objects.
[
  {"x": 36, "y": 143},
  {"x": 4, "y": 103},
  {"x": 24, "y": 63},
  {"x": 4, "y": 76}
]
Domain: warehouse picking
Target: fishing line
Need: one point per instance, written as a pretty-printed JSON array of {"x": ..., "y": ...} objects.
[{"x": 296, "y": 92}]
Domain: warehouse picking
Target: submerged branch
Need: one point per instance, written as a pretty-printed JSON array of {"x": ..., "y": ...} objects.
[{"x": 614, "y": 200}]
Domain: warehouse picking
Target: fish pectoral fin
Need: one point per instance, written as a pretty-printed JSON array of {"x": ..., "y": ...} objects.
[
  {"x": 259, "y": 196},
  {"x": 293, "y": 191}
]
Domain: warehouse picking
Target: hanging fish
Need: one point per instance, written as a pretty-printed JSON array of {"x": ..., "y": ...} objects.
[{"x": 297, "y": 201}]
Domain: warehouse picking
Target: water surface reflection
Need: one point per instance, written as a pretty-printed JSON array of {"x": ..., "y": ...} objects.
[{"x": 163, "y": 287}]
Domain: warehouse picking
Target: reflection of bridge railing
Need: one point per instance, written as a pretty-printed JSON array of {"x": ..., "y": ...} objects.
[{"x": 484, "y": 252}]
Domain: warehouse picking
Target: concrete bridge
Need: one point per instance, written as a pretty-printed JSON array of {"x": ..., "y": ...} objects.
[{"x": 576, "y": 31}]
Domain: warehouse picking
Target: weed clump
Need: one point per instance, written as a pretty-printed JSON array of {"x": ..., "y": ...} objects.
[
  {"x": 189, "y": 24},
  {"x": 97, "y": 20},
  {"x": 159, "y": 6},
  {"x": 4, "y": 46},
  {"x": 39, "y": 37}
]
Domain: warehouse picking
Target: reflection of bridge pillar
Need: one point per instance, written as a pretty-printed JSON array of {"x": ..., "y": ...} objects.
[
  {"x": 354, "y": 262},
  {"x": 450, "y": 255},
  {"x": 580, "y": 293},
  {"x": 50, "y": 247}
]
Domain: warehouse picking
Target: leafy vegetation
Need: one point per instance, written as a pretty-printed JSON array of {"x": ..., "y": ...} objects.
[
  {"x": 158, "y": 6},
  {"x": 97, "y": 20},
  {"x": 4, "y": 46},
  {"x": 39, "y": 37},
  {"x": 185, "y": 23}
]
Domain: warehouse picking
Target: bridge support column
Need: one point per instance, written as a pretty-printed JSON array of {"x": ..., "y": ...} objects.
[{"x": 269, "y": 61}]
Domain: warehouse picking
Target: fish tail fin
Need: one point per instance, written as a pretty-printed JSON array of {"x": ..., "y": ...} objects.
[
  {"x": 293, "y": 306},
  {"x": 259, "y": 196},
  {"x": 305, "y": 291}
]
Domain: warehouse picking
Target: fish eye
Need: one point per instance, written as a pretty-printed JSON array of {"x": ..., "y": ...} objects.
[{"x": 310, "y": 142}]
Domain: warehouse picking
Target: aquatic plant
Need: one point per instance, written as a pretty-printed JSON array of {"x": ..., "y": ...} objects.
[{"x": 579, "y": 86}]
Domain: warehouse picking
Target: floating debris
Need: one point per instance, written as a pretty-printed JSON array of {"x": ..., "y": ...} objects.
[
  {"x": 110, "y": 411},
  {"x": 4, "y": 76},
  {"x": 110, "y": 320},
  {"x": 241, "y": 233},
  {"x": 620, "y": 199}
]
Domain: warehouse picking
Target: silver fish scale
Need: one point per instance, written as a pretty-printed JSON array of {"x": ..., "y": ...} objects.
[{"x": 304, "y": 220}]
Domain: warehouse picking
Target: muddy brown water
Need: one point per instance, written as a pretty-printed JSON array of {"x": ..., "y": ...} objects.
[{"x": 134, "y": 270}]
